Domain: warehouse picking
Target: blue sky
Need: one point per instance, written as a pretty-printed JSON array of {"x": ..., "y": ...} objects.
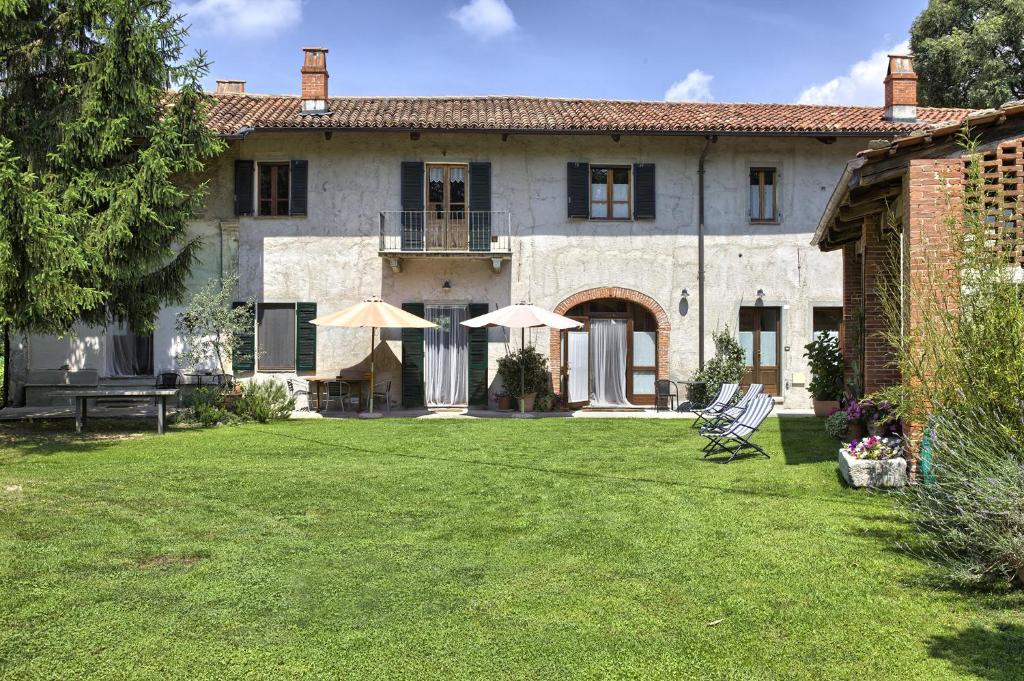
[{"x": 812, "y": 51}]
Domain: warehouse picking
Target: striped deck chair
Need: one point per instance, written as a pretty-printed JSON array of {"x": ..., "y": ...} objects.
[
  {"x": 735, "y": 437},
  {"x": 732, "y": 413},
  {"x": 722, "y": 400}
]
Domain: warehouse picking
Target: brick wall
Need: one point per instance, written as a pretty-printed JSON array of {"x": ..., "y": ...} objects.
[
  {"x": 853, "y": 305},
  {"x": 877, "y": 275}
]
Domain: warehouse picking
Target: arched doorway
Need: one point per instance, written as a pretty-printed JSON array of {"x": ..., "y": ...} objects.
[{"x": 616, "y": 357}]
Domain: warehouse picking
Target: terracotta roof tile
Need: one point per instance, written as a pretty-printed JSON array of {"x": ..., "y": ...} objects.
[{"x": 231, "y": 112}]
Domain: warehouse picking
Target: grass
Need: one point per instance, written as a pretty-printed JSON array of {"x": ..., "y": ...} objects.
[{"x": 457, "y": 549}]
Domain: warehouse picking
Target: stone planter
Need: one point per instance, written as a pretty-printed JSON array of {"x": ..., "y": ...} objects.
[
  {"x": 825, "y": 407},
  {"x": 866, "y": 473}
]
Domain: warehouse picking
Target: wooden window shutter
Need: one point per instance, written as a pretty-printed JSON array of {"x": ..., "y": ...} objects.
[
  {"x": 578, "y": 189},
  {"x": 243, "y": 355},
  {"x": 412, "y": 205},
  {"x": 413, "y": 392},
  {"x": 480, "y": 206},
  {"x": 478, "y": 347},
  {"x": 305, "y": 337},
  {"x": 300, "y": 193},
  {"x": 643, "y": 191},
  {"x": 244, "y": 171}
]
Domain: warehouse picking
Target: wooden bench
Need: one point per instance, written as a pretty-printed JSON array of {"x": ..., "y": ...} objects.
[{"x": 81, "y": 397}]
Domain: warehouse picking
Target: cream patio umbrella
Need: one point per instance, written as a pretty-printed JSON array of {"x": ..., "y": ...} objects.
[
  {"x": 522, "y": 316},
  {"x": 376, "y": 314}
]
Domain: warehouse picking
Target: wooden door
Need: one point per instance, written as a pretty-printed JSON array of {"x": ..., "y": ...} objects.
[
  {"x": 761, "y": 340},
  {"x": 447, "y": 226}
]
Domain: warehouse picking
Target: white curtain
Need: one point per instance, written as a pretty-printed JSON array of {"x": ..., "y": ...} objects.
[
  {"x": 608, "y": 362},
  {"x": 579, "y": 366},
  {"x": 447, "y": 361}
]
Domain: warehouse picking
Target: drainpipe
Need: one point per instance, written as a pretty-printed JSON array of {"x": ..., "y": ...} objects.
[{"x": 708, "y": 141}]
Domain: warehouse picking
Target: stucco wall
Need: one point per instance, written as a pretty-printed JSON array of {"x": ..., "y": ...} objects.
[{"x": 330, "y": 256}]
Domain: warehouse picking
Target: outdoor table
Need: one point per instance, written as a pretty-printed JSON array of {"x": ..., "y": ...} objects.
[
  {"x": 358, "y": 380},
  {"x": 82, "y": 397},
  {"x": 215, "y": 378}
]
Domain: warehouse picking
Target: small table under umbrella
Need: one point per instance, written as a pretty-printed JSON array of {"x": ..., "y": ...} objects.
[
  {"x": 376, "y": 314},
  {"x": 522, "y": 316}
]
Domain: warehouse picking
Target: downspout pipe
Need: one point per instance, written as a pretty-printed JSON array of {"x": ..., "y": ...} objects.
[{"x": 708, "y": 141}]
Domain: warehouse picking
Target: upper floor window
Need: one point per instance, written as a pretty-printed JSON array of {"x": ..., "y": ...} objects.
[
  {"x": 610, "y": 192},
  {"x": 764, "y": 195},
  {"x": 273, "y": 188}
]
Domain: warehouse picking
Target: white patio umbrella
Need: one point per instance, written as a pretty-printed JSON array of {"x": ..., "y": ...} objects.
[
  {"x": 522, "y": 316},
  {"x": 376, "y": 314}
]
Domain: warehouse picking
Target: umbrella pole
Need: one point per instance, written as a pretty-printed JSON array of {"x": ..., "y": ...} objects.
[
  {"x": 522, "y": 370},
  {"x": 373, "y": 334}
]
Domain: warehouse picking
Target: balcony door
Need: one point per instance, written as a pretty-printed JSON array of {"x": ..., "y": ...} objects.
[
  {"x": 760, "y": 339},
  {"x": 447, "y": 225}
]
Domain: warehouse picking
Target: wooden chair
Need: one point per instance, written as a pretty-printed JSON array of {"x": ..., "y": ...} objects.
[{"x": 382, "y": 391}]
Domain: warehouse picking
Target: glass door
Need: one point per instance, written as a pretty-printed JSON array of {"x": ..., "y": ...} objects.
[
  {"x": 576, "y": 366},
  {"x": 760, "y": 338},
  {"x": 447, "y": 356},
  {"x": 447, "y": 226}
]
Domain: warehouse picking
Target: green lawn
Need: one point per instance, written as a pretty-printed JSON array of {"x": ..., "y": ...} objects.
[{"x": 456, "y": 549}]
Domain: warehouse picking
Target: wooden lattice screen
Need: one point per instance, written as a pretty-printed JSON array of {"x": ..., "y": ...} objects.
[{"x": 1002, "y": 178}]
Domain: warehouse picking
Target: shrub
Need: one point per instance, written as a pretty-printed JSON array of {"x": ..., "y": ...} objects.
[
  {"x": 826, "y": 364},
  {"x": 265, "y": 401},
  {"x": 837, "y": 424},
  {"x": 205, "y": 406},
  {"x": 727, "y": 366},
  {"x": 969, "y": 508},
  {"x": 535, "y": 365}
]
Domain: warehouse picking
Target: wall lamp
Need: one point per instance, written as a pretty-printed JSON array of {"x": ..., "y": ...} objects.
[
  {"x": 446, "y": 286},
  {"x": 760, "y": 293},
  {"x": 685, "y": 294}
]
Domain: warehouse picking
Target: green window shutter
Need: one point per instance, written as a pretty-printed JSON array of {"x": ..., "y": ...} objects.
[
  {"x": 412, "y": 188},
  {"x": 643, "y": 191},
  {"x": 298, "y": 185},
  {"x": 480, "y": 206},
  {"x": 243, "y": 187},
  {"x": 243, "y": 356},
  {"x": 478, "y": 358},
  {"x": 413, "y": 393},
  {"x": 578, "y": 190},
  {"x": 305, "y": 337}
]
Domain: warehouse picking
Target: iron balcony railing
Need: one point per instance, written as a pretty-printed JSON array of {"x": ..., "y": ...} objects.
[{"x": 456, "y": 231}]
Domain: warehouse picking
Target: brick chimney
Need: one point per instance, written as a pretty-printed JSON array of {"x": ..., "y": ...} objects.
[
  {"x": 314, "y": 80},
  {"x": 230, "y": 87},
  {"x": 900, "y": 89}
]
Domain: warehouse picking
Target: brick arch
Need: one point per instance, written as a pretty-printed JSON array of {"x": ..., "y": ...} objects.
[{"x": 645, "y": 301}]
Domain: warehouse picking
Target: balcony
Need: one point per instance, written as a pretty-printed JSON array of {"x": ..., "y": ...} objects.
[{"x": 482, "y": 235}]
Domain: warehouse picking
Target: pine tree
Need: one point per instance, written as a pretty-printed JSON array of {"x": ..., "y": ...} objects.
[{"x": 102, "y": 141}]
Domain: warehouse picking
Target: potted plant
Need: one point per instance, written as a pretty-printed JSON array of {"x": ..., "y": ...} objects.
[
  {"x": 873, "y": 462},
  {"x": 837, "y": 424},
  {"x": 855, "y": 429},
  {"x": 880, "y": 419},
  {"x": 504, "y": 400},
  {"x": 524, "y": 373},
  {"x": 826, "y": 365}
]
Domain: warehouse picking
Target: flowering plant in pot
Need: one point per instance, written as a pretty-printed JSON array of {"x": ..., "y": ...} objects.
[
  {"x": 873, "y": 461},
  {"x": 826, "y": 365},
  {"x": 880, "y": 418},
  {"x": 855, "y": 418}
]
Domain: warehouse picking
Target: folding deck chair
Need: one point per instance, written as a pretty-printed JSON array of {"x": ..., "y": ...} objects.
[
  {"x": 722, "y": 400},
  {"x": 735, "y": 436},
  {"x": 732, "y": 413}
]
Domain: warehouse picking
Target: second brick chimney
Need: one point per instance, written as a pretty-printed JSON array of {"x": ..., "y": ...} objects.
[
  {"x": 900, "y": 89},
  {"x": 230, "y": 87},
  {"x": 314, "y": 80}
]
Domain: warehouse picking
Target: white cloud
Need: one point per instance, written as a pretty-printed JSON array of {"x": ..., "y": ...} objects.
[
  {"x": 862, "y": 84},
  {"x": 485, "y": 18},
  {"x": 242, "y": 17},
  {"x": 696, "y": 87}
]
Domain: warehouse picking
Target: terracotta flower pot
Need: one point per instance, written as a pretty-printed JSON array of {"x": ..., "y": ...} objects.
[
  {"x": 855, "y": 430},
  {"x": 825, "y": 407},
  {"x": 526, "y": 401},
  {"x": 504, "y": 403}
]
